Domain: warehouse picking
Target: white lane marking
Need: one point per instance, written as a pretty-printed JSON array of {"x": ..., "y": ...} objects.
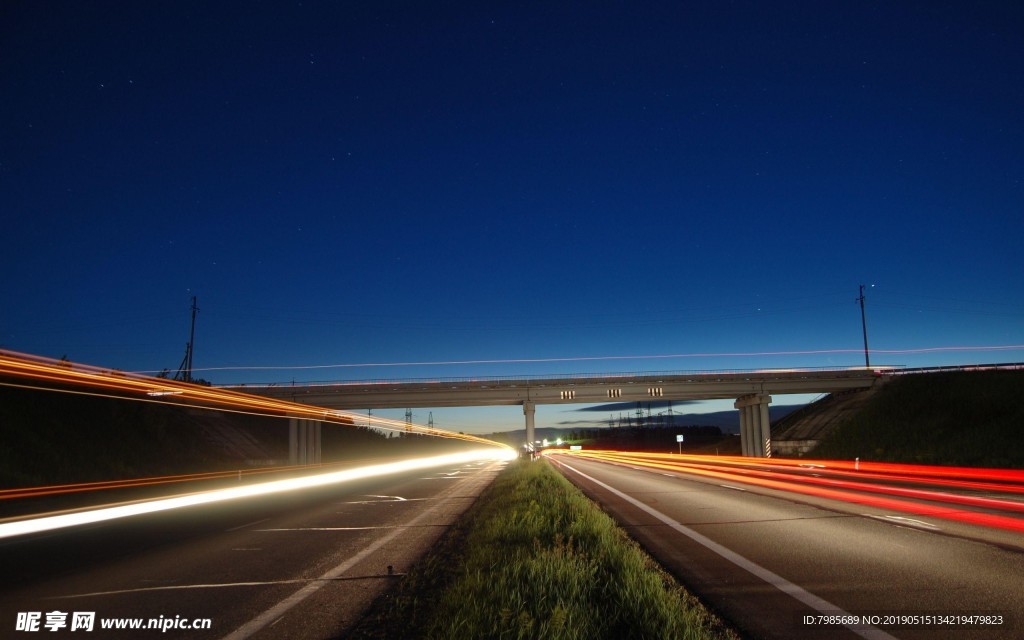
[
  {"x": 336, "y": 528},
  {"x": 819, "y": 604},
  {"x": 907, "y": 522},
  {"x": 380, "y": 501},
  {"x": 393, "y": 498},
  {"x": 179, "y": 587},
  {"x": 275, "y": 612},
  {"x": 668, "y": 475},
  {"x": 729, "y": 486},
  {"x": 246, "y": 525}
]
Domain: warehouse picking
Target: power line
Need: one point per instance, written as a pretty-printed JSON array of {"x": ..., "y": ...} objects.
[{"x": 1012, "y": 347}]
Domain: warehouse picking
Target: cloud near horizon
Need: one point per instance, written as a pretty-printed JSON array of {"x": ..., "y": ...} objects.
[{"x": 631, "y": 406}]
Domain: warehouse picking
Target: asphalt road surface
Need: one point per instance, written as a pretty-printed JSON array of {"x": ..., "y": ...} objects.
[
  {"x": 785, "y": 565},
  {"x": 304, "y": 564}
]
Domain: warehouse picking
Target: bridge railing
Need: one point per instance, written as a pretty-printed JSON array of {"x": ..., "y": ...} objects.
[{"x": 704, "y": 373}]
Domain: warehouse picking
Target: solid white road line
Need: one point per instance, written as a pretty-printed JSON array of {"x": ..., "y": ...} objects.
[
  {"x": 272, "y": 614},
  {"x": 819, "y": 604}
]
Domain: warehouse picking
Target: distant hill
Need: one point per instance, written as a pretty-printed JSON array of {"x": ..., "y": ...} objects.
[
  {"x": 727, "y": 421},
  {"x": 704, "y": 433}
]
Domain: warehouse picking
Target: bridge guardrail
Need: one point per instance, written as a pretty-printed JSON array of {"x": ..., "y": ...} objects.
[{"x": 566, "y": 376}]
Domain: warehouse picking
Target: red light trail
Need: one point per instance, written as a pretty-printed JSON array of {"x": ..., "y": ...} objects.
[{"x": 871, "y": 483}]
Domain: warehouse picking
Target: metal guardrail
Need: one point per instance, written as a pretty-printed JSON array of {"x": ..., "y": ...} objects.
[
  {"x": 563, "y": 376},
  {"x": 892, "y": 369},
  {"x": 1004, "y": 366}
]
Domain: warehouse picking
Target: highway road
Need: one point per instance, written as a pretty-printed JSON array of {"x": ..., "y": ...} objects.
[
  {"x": 785, "y": 564},
  {"x": 302, "y": 564}
]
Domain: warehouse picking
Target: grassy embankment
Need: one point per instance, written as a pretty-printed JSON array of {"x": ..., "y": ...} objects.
[
  {"x": 534, "y": 558},
  {"x": 969, "y": 418}
]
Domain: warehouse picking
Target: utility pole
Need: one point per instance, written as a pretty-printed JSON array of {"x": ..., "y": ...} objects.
[
  {"x": 192, "y": 338},
  {"x": 185, "y": 370},
  {"x": 864, "y": 326}
]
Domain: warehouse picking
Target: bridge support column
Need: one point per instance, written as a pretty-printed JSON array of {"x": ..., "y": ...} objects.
[
  {"x": 755, "y": 425},
  {"x": 293, "y": 441},
  {"x": 766, "y": 428},
  {"x": 304, "y": 441},
  {"x": 313, "y": 441},
  {"x": 745, "y": 437},
  {"x": 529, "y": 409}
]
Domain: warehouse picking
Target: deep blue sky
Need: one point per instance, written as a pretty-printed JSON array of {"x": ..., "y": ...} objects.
[{"x": 344, "y": 183}]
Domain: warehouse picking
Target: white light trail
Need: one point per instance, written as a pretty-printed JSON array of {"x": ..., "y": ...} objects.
[{"x": 49, "y": 523}]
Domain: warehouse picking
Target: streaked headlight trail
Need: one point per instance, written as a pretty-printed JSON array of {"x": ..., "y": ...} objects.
[
  {"x": 29, "y": 372},
  {"x": 48, "y": 523},
  {"x": 82, "y": 487}
]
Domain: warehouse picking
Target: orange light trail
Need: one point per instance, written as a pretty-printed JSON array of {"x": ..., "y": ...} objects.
[
  {"x": 136, "y": 387},
  {"x": 31, "y": 372},
  {"x": 871, "y": 478}
]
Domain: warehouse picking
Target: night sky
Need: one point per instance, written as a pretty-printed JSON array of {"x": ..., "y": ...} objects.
[{"x": 345, "y": 183}]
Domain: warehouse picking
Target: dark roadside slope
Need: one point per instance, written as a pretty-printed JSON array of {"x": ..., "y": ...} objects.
[
  {"x": 958, "y": 418},
  {"x": 49, "y": 437}
]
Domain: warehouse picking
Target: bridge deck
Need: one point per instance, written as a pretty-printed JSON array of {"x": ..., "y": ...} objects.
[{"x": 562, "y": 390}]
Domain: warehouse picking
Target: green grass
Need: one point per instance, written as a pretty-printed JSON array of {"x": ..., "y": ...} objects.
[
  {"x": 968, "y": 418},
  {"x": 534, "y": 558}
]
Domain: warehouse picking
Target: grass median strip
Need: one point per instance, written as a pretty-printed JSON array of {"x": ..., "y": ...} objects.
[{"x": 535, "y": 558}]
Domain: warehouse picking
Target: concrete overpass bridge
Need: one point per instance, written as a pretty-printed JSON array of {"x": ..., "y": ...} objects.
[{"x": 752, "y": 391}]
